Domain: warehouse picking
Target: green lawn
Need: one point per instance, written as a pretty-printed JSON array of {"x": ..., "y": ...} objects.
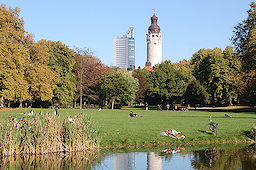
[{"x": 117, "y": 128}]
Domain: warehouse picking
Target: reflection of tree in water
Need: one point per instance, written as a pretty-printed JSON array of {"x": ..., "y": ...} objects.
[
  {"x": 216, "y": 159},
  {"x": 51, "y": 161},
  {"x": 248, "y": 157}
]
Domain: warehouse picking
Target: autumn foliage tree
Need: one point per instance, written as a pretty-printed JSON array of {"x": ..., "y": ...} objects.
[
  {"x": 14, "y": 56},
  {"x": 42, "y": 80},
  {"x": 144, "y": 86},
  {"x": 88, "y": 72}
]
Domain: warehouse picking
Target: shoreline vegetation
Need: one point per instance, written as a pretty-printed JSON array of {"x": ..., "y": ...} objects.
[
  {"x": 48, "y": 133},
  {"x": 43, "y": 134}
]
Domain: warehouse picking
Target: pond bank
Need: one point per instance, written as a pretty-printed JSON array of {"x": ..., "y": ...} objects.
[{"x": 181, "y": 144}]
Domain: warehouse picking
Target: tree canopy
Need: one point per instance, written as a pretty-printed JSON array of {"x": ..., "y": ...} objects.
[
  {"x": 119, "y": 86},
  {"x": 216, "y": 69},
  {"x": 13, "y": 55},
  {"x": 62, "y": 62},
  {"x": 167, "y": 83},
  {"x": 244, "y": 39}
]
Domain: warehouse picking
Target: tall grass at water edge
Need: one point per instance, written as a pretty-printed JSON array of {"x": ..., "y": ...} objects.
[{"x": 43, "y": 134}]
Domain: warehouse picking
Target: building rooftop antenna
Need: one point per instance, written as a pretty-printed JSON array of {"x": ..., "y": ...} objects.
[{"x": 154, "y": 11}]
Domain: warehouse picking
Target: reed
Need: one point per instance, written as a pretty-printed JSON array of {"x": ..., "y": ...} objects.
[{"x": 43, "y": 134}]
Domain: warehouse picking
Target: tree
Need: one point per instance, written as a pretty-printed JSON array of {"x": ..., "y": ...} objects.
[
  {"x": 216, "y": 70},
  {"x": 62, "y": 62},
  {"x": 143, "y": 85},
  {"x": 119, "y": 86},
  {"x": 195, "y": 94},
  {"x": 13, "y": 56},
  {"x": 167, "y": 84},
  {"x": 42, "y": 80},
  {"x": 88, "y": 71},
  {"x": 244, "y": 39}
]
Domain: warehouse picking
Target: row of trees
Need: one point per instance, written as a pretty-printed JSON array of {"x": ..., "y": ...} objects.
[
  {"x": 212, "y": 76},
  {"x": 44, "y": 73}
]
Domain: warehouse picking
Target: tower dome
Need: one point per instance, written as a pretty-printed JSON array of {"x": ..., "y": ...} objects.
[{"x": 154, "y": 28}]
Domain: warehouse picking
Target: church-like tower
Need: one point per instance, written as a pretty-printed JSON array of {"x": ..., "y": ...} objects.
[{"x": 154, "y": 43}]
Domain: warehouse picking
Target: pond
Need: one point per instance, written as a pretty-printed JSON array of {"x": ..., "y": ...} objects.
[
  {"x": 204, "y": 157},
  {"x": 153, "y": 158}
]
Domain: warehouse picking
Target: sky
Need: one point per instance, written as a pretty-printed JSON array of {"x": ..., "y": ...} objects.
[{"x": 187, "y": 26}]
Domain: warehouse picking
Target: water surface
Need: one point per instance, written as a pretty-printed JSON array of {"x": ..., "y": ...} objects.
[
  {"x": 219, "y": 157},
  {"x": 227, "y": 157}
]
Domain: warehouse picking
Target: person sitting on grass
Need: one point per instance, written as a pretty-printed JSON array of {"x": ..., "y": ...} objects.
[
  {"x": 70, "y": 119},
  {"x": 31, "y": 113},
  {"x": 131, "y": 114},
  {"x": 227, "y": 115}
]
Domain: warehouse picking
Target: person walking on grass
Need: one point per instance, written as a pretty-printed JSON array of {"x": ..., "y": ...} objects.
[
  {"x": 167, "y": 107},
  {"x": 56, "y": 109},
  {"x": 146, "y": 106}
]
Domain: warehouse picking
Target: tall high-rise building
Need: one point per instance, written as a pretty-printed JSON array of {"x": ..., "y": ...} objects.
[
  {"x": 154, "y": 43},
  {"x": 124, "y": 51}
]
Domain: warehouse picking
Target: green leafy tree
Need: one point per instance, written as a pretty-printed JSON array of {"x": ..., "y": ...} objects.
[
  {"x": 167, "y": 83},
  {"x": 244, "y": 41},
  {"x": 62, "y": 62},
  {"x": 120, "y": 86},
  {"x": 13, "y": 56},
  {"x": 216, "y": 70},
  {"x": 195, "y": 94}
]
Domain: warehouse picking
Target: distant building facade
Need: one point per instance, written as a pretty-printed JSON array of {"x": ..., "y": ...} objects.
[
  {"x": 154, "y": 43},
  {"x": 124, "y": 51}
]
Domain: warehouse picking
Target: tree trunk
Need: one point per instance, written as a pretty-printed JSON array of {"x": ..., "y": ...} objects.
[
  {"x": 74, "y": 103},
  {"x": 20, "y": 104},
  {"x": 230, "y": 101},
  {"x": 81, "y": 83},
  {"x": 113, "y": 103},
  {"x": 1, "y": 102},
  {"x": 213, "y": 99},
  {"x": 9, "y": 104}
]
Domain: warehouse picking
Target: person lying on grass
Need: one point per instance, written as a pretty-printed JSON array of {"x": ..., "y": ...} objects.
[
  {"x": 227, "y": 115},
  {"x": 174, "y": 133}
]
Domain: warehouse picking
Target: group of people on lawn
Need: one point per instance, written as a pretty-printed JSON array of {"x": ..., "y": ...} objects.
[{"x": 175, "y": 107}]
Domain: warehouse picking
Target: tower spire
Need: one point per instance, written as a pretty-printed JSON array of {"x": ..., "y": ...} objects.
[{"x": 154, "y": 11}]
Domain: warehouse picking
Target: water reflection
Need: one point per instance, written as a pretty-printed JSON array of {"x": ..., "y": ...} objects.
[
  {"x": 51, "y": 161},
  {"x": 124, "y": 161},
  {"x": 216, "y": 158},
  {"x": 181, "y": 158},
  {"x": 154, "y": 161}
]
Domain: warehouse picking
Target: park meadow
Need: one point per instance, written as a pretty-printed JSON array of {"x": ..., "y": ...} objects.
[{"x": 117, "y": 129}]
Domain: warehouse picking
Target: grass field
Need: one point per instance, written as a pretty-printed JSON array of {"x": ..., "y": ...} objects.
[{"x": 117, "y": 128}]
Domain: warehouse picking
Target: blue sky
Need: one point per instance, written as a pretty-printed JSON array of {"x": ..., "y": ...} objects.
[{"x": 187, "y": 25}]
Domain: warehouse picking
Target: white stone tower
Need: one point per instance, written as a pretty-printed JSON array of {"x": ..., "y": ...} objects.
[{"x": 154, "y": 43}]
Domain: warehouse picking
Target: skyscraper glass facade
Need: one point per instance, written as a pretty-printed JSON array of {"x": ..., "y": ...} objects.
[{"x": 124, "y": 51}]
